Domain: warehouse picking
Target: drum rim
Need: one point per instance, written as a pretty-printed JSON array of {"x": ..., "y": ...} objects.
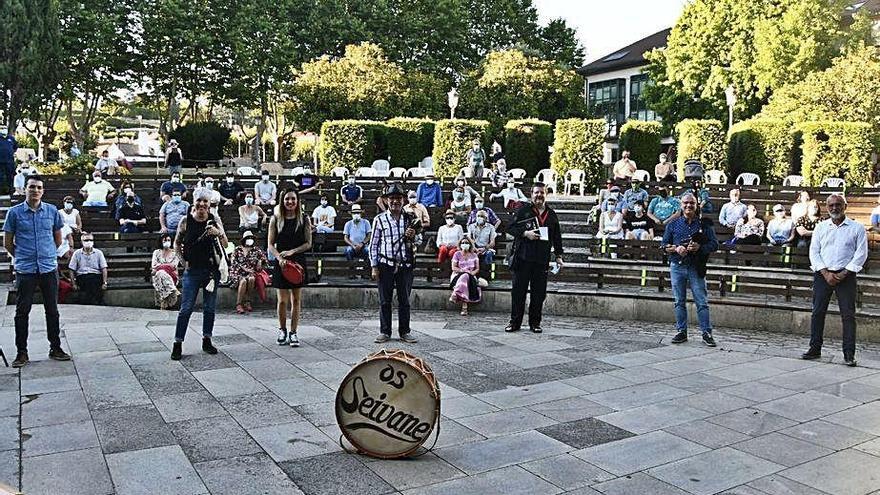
[{"x": 425, "y": 371}]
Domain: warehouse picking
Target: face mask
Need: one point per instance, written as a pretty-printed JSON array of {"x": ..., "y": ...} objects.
[
  {"x": 68, "y": 206},
  {"x": 176, "y": 199},
  {"x": 265, "y": 178},
  {"x": 663, "y": 194},
  {"x": 459, "y": 195},
  {"x": 230, "y": 180},
  {"x": 130, "y": 201},
  {"x": 459, "y": 184},
  {"x": 209, "y": 185},
  {"x": 478, "y": 204},
  {"x": 351, "y": 181},
  {"x": 249, "y": 201},
  {"x": 511, "y": 185},
  {"x": 465, "y": 247},
  {"x": 127, "y": 190},
  {"x": 249, "y": 242},
  {"x": 175, "y": 179},
  {"x": 779, "y": 214},
  {"x": 323, "y": 202},
  {"x": 88, "y": 244},
  {"x": 637, "y": 209},
  {"x": 413, "y": 201},
  {"x": 481, "y": 220},
  {"x": 97, "y": 179},
  {"x": 430, "y": 182},
  {"x": 166, "y": 244},
  {"x": 356, "y": 217},
  {"x": 450, "y": 221}
]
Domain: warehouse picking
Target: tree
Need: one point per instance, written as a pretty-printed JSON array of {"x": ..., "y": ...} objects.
[
  {"x": 498, "y": 24},
  {"x": 670, "y": 100},
  {"x": 556, "y": 41}
]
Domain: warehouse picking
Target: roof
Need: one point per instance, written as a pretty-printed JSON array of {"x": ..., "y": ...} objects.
[{"x": 626, "y": 57}]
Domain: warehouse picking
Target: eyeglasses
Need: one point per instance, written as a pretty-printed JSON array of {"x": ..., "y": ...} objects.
[{"x": 778, "y": 211}]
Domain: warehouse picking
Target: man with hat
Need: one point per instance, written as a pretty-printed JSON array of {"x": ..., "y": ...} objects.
[
  {"x": 356, "y": 234},
  {"x": 392, "y": 258},
  {"x": 633, "y": 195}
]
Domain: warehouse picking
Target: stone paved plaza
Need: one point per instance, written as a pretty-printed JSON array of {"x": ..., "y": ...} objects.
[{"x": 588, "y": 407}]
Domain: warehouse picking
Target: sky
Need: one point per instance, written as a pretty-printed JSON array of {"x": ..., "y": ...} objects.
[{"x": 606, "y": 25}]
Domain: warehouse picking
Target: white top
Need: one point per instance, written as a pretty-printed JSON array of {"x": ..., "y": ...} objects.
[
  {"x": 838, "y": 247},
  {"x": 449, "y": 236},
  {"x": 509, "y": 195},
  {"x": 69, "y": 219},
  {"x": 104, "y": 164},
  {"x": 65, "y": 244},
  {"x": 324, "y": 215}
]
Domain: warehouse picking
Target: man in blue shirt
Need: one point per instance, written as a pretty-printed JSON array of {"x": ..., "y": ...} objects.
[
  {"x": 632, "y": 196},
  {"x": 32, "y": 236},
  {"x": 171, "y": 186},
  {"x": 429, "y": 193},
  {"x": 664, "y": 208},
  {"x": 356, "y": 234},
  {"x": 8, "y": 146},
  {"x": 351, "y": 193},
  {"x": 732, "y": 211},
  {"x": 688, "y": 240}
]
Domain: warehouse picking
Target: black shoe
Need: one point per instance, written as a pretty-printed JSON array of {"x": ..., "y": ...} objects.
[
  {"x": 21, "y": 359},
  {"x": 282, "y": 337},
  {"x": 177, "y": 351},
  {"x": 58, "y": 355},
  {"x": 680, "y": 338},
  {"x": 812, "y": 354},
  {"x": 207, "y": 346},
  {"x": 536, "y": 329},
  {"x": 850, "y": 361},
  {"x": 408, "y": 338},
  {"x": 708, "y": 340},
  {"x": 511, "y": 328}
]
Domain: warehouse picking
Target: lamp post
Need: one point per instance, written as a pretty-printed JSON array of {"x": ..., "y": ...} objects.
[
  {"x": 730, "y": 94},
  {"x": 453, "y": 102}
]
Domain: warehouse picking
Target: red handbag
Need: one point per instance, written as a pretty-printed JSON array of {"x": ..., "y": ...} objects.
[
  {"x": 262, "y": 280},
  {"x": 293, "y": 272}
]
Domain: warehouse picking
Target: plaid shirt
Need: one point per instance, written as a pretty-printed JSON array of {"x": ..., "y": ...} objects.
[{"x": 388, "y": 245}]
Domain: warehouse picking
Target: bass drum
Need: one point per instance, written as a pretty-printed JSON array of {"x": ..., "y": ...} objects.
[{"x": 388, "y": 404}]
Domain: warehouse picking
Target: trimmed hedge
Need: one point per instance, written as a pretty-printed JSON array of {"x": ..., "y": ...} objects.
[
  {"x": 829, "y": 147},
  {"x": 642, "y": 139},
  {"x": 350, "y": 143},
  {"x": 201, "y": 140},
  {"x": 303, "y": 149},
  {"x": 760, "y": 146},
  {"x": 409, "y": 140},
  {"x": 526, "y": 143},
  {"x": 578, "y": 145},
  {"x": 452, "y": 140},
  {"x": 703, "y": 140}
]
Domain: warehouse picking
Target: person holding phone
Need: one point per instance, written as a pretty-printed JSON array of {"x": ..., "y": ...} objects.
[{"x": 535, "y": 229}]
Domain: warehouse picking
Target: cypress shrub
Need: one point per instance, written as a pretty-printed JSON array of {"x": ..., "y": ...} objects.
[
  {"x": 642, "y": 139},
  {"x": 760, "y": 146},
  {"x": 702, "y": 140},
  {"x": 578, "y": 144},
  {"x": 452, "y": 140},
  {"x": 526, "y": 143},
  {"x": 351, "y": 144},
  {"x": 201, "y": 141},
  {"x": 832, "y": 149},
  {"x": 409, "y": 140}
]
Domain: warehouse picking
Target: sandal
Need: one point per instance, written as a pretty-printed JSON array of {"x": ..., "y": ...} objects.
[
  {"x": 248, "y": 307},
  {"x": 239, "y": 309},
  {"x": 464, "y": 312}
]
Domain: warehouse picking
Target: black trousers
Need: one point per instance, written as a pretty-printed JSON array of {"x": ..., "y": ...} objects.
[
  {"x": 390, "y": 280},
  {"x": 846, "y": 303},
  {"x": 527, "y": 276},
  {"x": 90, "y": 287},
  {"x": 26, "y": 284}
]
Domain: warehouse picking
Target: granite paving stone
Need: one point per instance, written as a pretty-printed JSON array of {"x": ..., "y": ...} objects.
[
  {"x": 641, "y": 374},
  {"x": 290, "y": 441},
  {"x": 408, "y": 473},
  {"x": 209, "y": 439},
  {"x": 336, "y": 473},
  {"x": 757, "y": 391},
  {"x": 567, "y": 472},
  {"x": 529, "y": 395},
  {"x": 269, "y": 370},
  {"x": 708, "y": 434},
  {"x": 776, "y": 484},
  {"x": 751, "y": 421},
  {"x": 246, "y": 474},
  {"x": 49, "y": 384},
  {"x": 714, "y": 471},
  {"x": 262, "y": 409},
  {"x": 205, "y": 362},
  {"x": 782, "y": 449},
  {"x": 67, "y": 473},
  {"x": 131, "y": 428},
  {"x": 105, "y": 393},
  {"x": 452, "y": 433},
  {"x": 585, "y": 432},
  {"x": 8, "y": 433},
  {"x": 57, "y": 438},
  {"x": 637, "y": 395},
  {"x": 638, "y": 453},
  {"x": 499, "y": 452},
  {"x": 872, "y": 447},
  {"x": 139, "y": 472},
  {"x": 860, "y": 392},
  {"x": 462, "y": 407},
  {"x": 228, "y": 381},
  {"x": 806, "y": 406},
  {"x": 54, "y": 408},
  {"x": 299, "y": 391},
  {"x": 746, "y": 372},
  {"x": 9, "y": 469},
  {"x": 835, "y": 473},
  {"x": 636, "y": 484},
  {"x": 193, "y": 405},
  {"x": 864, "y": 418},
  {"x": 505, "y": 422},
  {"x": 714, "y": 401},
  {"x": 653, "y": 416},
  {"x": 599, "y": 382},
  {"x": 827, "y": 434},
  {"x": 570, "y": 409},
  {"x": 10, "y": 403},
  {"x": 698, "y": 382},
  {"x": 512, "y": 480}
]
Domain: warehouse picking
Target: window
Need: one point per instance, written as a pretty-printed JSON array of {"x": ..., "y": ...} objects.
[
  {"x": 607, "y": 100},
  {"x": 638, "y": 109}
]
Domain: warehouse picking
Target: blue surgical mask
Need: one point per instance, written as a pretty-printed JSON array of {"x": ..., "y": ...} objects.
[
  {"x": 249, "y": 200},
  {"x": 176, "y": 199}
]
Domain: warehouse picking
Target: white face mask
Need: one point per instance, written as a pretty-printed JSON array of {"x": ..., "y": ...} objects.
[
  {"x": 450, "y": 221},
  {"x": 478, "y": 205},
  {"x": 413, "y": 201},
  {"x": 637, "y": 209},
  {"x": 230, "y": 180},
  {"x": 249, "y": 242},
  {"x": 127, "y": 190},
  {"x": 430, "y": 182},
  {"x": 465, "y": 247},
  {"x": 97, "y": 179},
  {"x": 166, "y": 244},
  {"x": 459, "y": 184},
  {"x": 458, "y": 195},
  {"x": 323, "y": 202},
  {"x": 481, "y": 220},
  {"x": 88, "y": 244},
  {"x": 511, "y": 185},
  {"x": 175, "y": 179},
  {"x": 356, "y": 217},
  {"x": 265, "y": 178},
  {"x": 209, "y": 185},
  {"x": 68, "y": 206},
  {"x": 249, "y": 201},
  {"x": 351, "y": 181}
]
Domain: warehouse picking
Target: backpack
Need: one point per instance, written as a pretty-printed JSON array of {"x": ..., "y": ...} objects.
[{"x": 693, "y": 169}]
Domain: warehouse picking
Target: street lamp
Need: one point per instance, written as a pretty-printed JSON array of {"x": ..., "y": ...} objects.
[
  {"x": 730, "y": 94},
  {"x": 453, "y": 102}
]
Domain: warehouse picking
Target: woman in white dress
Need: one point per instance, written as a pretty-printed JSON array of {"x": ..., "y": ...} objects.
[{"x": 164, "y": 273}]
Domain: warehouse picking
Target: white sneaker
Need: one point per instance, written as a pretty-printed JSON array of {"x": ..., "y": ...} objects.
[
  {"x": 294, "y": 342},
  {"x": 282, "y": 336}
]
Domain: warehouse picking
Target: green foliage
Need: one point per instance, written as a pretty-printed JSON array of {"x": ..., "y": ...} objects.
[
  {"x": 350, "y": 143},
  {"x": 201, "y": 140},
  {"x": 558, "y": 42},
  {"x": 760, "y": 146},
  {"x": 526, "y": 143},
  {"x": 304, "y": 148},
  {"x": 642, "y": 139},
  {"x": 702, "y": 140},
  {"x": 26, "y": 141},
  {"x": 452, "y": 140},
  {"x": 831, "y": 147},
  {"x": 578, "y": 145},
  {"x": 81, "y": 166},
  {"x": 409, "y": 140}
]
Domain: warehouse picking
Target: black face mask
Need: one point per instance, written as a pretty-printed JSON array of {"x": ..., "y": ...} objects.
[{"x": 663, "y": 194}]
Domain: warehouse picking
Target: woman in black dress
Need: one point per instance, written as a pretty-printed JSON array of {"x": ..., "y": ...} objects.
[{"x": 290, "y": 236}]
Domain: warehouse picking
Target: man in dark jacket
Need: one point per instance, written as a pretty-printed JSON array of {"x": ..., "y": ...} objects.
[
  {"x": 535, "y": 229},
  {"x": 8, "y": 146}
]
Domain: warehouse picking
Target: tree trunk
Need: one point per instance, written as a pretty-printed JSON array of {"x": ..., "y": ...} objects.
[{"x": 261, "y": 128}]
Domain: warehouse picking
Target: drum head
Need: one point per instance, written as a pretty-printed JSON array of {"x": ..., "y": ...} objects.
[{"x": 387, "y": 405}]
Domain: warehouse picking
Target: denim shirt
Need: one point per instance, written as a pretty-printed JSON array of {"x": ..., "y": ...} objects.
[
  {"x": 680, "y": 231},
  {"x": 34, "y": 233}
]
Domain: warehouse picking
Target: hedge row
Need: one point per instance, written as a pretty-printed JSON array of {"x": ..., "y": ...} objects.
[
  {"x": 350, "y": 143},
  {"x": 702, "y": 140},
  {"x": 642, "y": 139},
  {"x": 578, "y": 145},
  {"x": 409, "y": 141},
  {"x": 760, "y": 146},
  {"x": 526, "y": 144},
  {"x": 452, "y": 140},
  {"x": 835, "y": 149}
]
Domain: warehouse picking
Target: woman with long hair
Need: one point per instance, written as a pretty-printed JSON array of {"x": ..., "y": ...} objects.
[
  {"x": 290, "y": 236},
  {"x": 164, "y": 273}
]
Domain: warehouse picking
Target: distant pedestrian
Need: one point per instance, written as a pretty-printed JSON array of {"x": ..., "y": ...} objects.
[
  {"x": 8, "y": 146},
  {"x": 838, "y": 250},
  {"x": 173, "y": 157}
]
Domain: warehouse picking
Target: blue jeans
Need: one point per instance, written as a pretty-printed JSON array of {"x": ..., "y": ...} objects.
[
  {"x": 193, "y": 280},
  {"x": 682, "y": 275},
  {"x": 488, "y": 257},
  {"x": 351, "y": 253}
]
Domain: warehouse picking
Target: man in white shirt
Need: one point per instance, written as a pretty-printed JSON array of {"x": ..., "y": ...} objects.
[
  {"x": 107, "y": 165},
  {"x": 512, "y": 197},
  {"x": 97, "y": 191},
  {"x": 324, "y": 217},
  {"x": 264, "y": 191},
  {"x": 88, "y": 271},
  {"x": 838, "y": 251}
]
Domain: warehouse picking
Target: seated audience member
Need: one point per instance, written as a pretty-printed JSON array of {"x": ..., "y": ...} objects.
[
  {"x": 306, "y": 183},
  {"x": 212, "y": 194},
  {"x": 231, "y": 189},
  {"x": 131, "y": 216},
  {"x": 460, "y": 206},
  {"x": 70, "y": 215},
  {"x": 382, "y": 201},
  {"x": 171, "y": 212},
  {"x": 500, "y": 173},
  {"x": 126, "y": 189},
  {"x": 246, "y": 261},
  {"x": 611, "y": 221},
  {"x": 250, "y": 216},
  {"x": 799, "y": 209},
  {"x": 164, "y": 275},
  {"x": 780, "y": 230},
  {"x": 480, "y": 205},
  {"x": 172, "y": 185},
  {"x": 97, "y": 191},
  {"x": 624, "y": 168},
  {"x": 701, "y": 193},
  {"x": 875, "y": 217},
  {"x": 65, "y": 250},
  {"x": 805, "y": 225},
  {"x": 356, "y": 234},
  {"x": 603, "y": 193},
  {"x": 20, "y": 179},
  {"x": 464, "y": 279},
  {"x": 413, "y": 207},
  {"x": 324, "y": 217},
  {"x": 664, "y": 208},
  {"x": 470, "y": 194},
  {"x": 497, "y": 155},
  {"x": 511, "y": 196},
  {"x": 664, "y": 171},
  {"x": 749, "y": 229},
  {"x": 637, "y": 224},
  {"x": 88, "y": 270},
  {"x": 429, "y": 193},
  {"x": 733, "y": 211},
  {"x": 613, "y": 193},
  {"x": 448, "y": 236},
  {"x": 264, "y": 191},
  {"x": 106, "y": 165},
  {"x": 482, "y": 235},
  {"x": 632, "y": 195},
  {"x": 351, "y": 193}
]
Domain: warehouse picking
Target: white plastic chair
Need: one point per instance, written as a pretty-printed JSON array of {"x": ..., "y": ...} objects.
[
  {"x": 748, "y": 179},
  {"x": 575, "y": 177},
  {"x": 716, "y": 177},
  {"x": 833, "y": 182},
  {"x": 427, "y": 162},
  {"x": 398, "y": 172},
  {"x": 466, "y": 172},
  {"x": 416, "y": 172},
  {"x": 242, "y": 161},
  {"x": 365, "y": 172},
  {"x": 549, "y": 177},
  {"x": 381, "y": 167},
  {"x": 244, "y": 171},
  {"x": 793, "y": 180},
  {"x": 297, "y": 171},
  {"x": 641, "y": 175},
  {"x": 340, "y": 172},
  {"x": 517, "y": 173}
]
